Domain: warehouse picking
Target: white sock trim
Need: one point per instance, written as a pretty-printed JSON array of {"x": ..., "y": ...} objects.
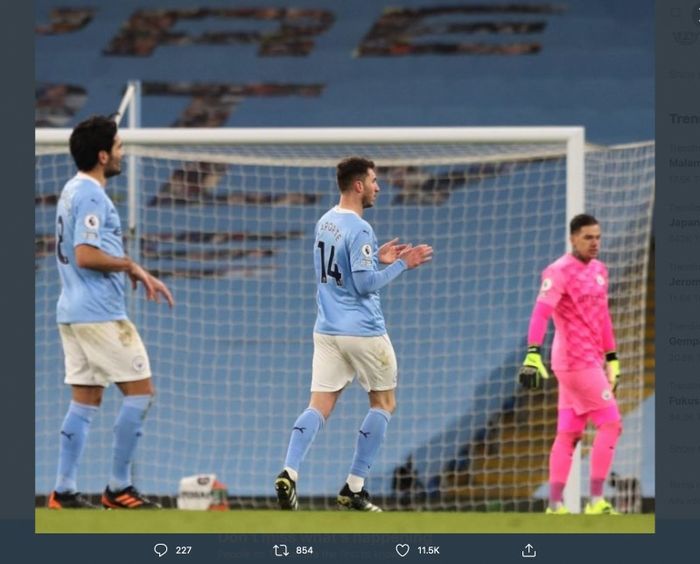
[{"x": 355, "y": 483}]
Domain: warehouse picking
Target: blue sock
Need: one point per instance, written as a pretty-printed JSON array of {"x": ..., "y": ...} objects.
[
  {"x": 74, "y": 432},
  {"x": 127, "y": 431},
  {"x": 369, "y": 440},
  {"x": 304, "y": 431}
]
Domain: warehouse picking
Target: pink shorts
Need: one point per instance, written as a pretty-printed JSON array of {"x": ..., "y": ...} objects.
[{"x": 585, "y": 390}]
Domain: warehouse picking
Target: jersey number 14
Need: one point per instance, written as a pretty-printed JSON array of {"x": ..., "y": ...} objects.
[{"x": 332, "y": 269}]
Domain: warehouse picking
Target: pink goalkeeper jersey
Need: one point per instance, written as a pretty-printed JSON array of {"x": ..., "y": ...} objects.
[{"x": 578, "y": 292}]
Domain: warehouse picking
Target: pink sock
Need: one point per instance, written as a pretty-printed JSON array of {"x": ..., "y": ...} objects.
[
  {"x": 556, "y": 493},
  {"x": 560, "y": 463},
  {"x": 602, "y": 454}
]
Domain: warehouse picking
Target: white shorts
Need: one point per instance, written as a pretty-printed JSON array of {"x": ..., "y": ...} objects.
[
  {"x": 337, "y": 358},
  {"x": 97, "y": 354}
]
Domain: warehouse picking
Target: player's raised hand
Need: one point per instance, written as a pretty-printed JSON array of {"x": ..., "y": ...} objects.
[
  {"x": 415, "y": 256},
  {"x": 390, "y": 251},
  {"x": 138, "y": 274},
  {"x": 160, "y": 288},
  {"x": 533, "y": 370},
  {"x": 151, "y": 285}
]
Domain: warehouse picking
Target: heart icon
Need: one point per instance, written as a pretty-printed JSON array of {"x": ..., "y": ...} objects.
[{"x": 402, "y": 549}]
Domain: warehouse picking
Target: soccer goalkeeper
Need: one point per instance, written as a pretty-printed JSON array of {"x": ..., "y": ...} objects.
[{"x": 575, "y": 292}]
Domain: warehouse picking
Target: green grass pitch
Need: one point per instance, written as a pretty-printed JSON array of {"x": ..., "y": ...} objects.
[{"x": 319, "y": 522}]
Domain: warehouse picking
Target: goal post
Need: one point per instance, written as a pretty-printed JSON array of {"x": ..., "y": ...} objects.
[{"x": 226, "y": 217}]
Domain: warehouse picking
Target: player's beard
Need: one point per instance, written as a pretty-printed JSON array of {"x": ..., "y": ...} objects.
[
  {"x": 112, "y": 170},
  {"x": 367, "y": 200}
]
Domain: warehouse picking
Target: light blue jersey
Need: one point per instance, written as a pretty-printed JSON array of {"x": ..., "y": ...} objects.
[
  {"x": 345, "y": 244},
  {"x": 86, "y": 216}
]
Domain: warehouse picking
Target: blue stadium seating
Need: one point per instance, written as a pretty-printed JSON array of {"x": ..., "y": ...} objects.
[{"x": 595, "y": 69}]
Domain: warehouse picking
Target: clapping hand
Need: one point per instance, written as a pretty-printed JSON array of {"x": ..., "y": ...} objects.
[{"x": 390, "y": 251}]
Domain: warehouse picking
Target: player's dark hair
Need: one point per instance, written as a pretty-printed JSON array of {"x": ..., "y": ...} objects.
[
  {"x": 352, "y": 169},
  {"x": 89, "y": 137},
  {"x": 581, "y": 220}
]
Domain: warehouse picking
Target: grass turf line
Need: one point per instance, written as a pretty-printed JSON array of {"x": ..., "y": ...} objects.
[{"x": 319, "y": 522}]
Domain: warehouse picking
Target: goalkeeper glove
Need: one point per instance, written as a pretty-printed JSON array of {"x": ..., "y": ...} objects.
[
  {"x": 613, "y": 369},
  {"x": 533, "y": 371}
]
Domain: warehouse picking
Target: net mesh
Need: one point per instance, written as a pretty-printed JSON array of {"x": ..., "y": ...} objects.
[{"x": 230, "y": 230}]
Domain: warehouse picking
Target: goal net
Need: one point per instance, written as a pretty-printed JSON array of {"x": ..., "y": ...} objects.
[{"x": 229, "y": 227}]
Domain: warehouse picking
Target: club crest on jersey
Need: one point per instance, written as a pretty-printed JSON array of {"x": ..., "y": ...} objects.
[
  {"x": 367, "y": 250},
  {"x": 92, "y": 221},
  {"x": 138, "y": 364},
  {"x": 599, "y": 278}
]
